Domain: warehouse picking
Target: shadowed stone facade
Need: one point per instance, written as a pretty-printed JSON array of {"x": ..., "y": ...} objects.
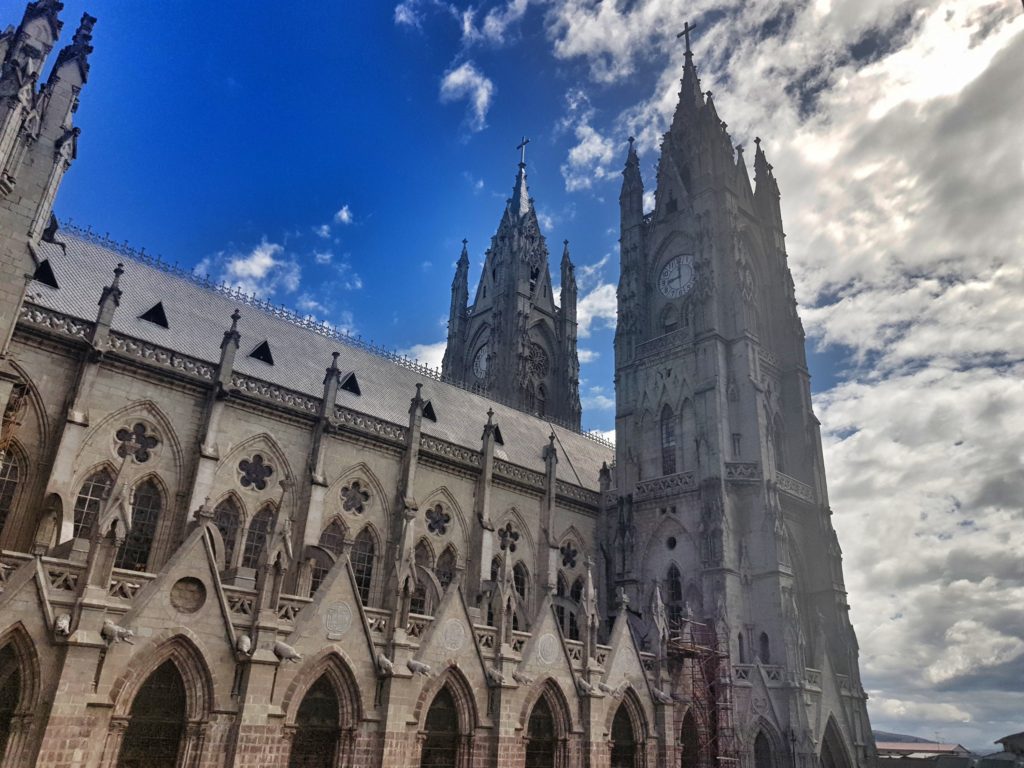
[{"x": 231, "y": 537}]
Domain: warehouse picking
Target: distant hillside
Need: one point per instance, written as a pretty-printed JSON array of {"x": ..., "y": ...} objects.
[{"x": 886, "y": 736}]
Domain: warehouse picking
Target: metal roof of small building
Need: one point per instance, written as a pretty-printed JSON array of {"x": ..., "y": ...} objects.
[{"x": 198, "y": 312}]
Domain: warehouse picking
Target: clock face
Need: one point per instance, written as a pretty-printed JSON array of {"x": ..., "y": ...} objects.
[
  {"x": 480, "y": 363},
  {"x": 676, "y": 276}
]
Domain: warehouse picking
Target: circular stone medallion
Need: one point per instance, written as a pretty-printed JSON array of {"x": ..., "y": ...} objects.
[
  {"x": 188, "y": 595},
  {"x": 454, "y": 635},
  {"x": 547, "y": 648},
  {"x": 337, "y": 619}
]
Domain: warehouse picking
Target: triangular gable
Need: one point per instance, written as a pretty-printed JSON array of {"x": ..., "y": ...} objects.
[
  {"x": 451, "y": 638},
  {"x": 545, "y": 654},
  {"x": 624, "y": 664},
  {"x": 336, "y": 615},
  {"x": 26, "y": 592},
  {"x": 171, "y": 598}
]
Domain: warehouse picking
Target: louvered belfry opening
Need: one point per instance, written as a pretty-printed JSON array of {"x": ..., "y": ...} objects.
[
  {"x": 317, "y": 727},
  {"x": 540, "y": 736},
  {"x": 157, "y": 722},
  {"x": 441, "y": 745}
]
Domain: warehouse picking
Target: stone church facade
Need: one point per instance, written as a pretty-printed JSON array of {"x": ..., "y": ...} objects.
[{"x": 232, "y": 537}]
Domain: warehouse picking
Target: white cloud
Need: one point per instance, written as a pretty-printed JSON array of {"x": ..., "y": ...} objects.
[
  {"x": 495, "y": 24},
  {"x": 599, "y": 306},
  {"x": 467, "y": 82},
  {"x": 323, "y": 257},
  {"x": 587, "y": 355},
  {"x": 344, "y": 215},
  {"x": 592, "y": 156},
  {"x": 607, "y": 434},
  {"x": 405, "y": 14},
  {"x": 324, "y": 231},
  {"x": 427, "y": 354},
  {"x": 262, "y": 271},
  {"x": 598, "y": 402}
]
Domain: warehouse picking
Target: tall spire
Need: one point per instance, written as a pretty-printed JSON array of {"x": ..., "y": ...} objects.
[
  {"x": 520, "y": 203},
  {"x": 689, "y": 93},
  {"x": 631, "y": 197}
]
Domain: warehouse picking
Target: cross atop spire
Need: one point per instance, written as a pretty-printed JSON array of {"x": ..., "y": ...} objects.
[
  {"x": 522, "y": 149},
  {"x": 687, "y": 29}
]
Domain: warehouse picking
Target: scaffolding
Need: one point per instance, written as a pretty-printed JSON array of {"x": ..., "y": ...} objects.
[{"x": 703, "y": 670}]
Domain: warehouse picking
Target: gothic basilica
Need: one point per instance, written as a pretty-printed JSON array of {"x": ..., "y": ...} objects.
[{"x": 230, "y": 536}]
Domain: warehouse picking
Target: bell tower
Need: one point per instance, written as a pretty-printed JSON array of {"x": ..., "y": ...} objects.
[
  {"x": 722, "y": 506},
  {"x": 514, "y": 342}
]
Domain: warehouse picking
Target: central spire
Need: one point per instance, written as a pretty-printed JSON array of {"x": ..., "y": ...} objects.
[{"x": 520, "y": 194}]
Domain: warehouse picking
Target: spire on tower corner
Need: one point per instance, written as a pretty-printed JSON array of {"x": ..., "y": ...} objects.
[
  {"x": 520, "y": 203},
  {"x": 631, "y": 197},
  {"x": 79, "y": 49}
]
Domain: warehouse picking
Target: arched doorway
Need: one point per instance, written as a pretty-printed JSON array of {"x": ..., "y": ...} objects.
[
  {"x": 623, "y": 740},
  {"x": 10, "y": 693},
  {"x": 762, "y": 751},
  {"x": 541, "y": 738},
  {"x": 441, "y": 743},
  {"x": 689, "y": 742},
  {"x": 833, "y": 751},
  {"x": 316, "y": 735},
  {"x": 156, "y": 722}
]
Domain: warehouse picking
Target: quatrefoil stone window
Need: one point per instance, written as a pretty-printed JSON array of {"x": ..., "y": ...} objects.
[
  {"x": 437, "y": 520},
  {"x": 255, "y": 472},
  {"x": 354, "y": 498},
  {"x": 508, "y": 537},
  {"x": 135, "y": 442},
  {"x": 569, "y": 554}
]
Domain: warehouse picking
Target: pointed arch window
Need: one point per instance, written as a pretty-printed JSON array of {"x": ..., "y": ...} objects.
[
  {"x": 228, "y": 520},
  {"x": 764, "y": 649},
  {"x": 689, "y": 740},
  {"x": 147, "y": 503},
  {"x": 256, "y": 538},
  {"x": 520, "y": 579},
  {"x": 674, "y": 593},
  {"x": 91, "y": 496},
  {"x": 363, "y": 553},
  {"x": 445, "y": 570},
  {"x": 530, "y": 396},
  {"x": 317, "y": 727},
  {"x": 333, "y": 538},
  {"x": 424, "y": 560},
  {"x": 668, "y": 441},
  {"x": 10, "y": 474},
  {"x": 542, "y": 400},
  {"x": 567, "y": 605},
  {"x": 157, "y": 721},
  {"x": 778, "y": 444}
]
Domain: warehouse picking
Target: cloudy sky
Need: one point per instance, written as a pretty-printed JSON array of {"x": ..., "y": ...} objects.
[{"x": 333, "y": 160}]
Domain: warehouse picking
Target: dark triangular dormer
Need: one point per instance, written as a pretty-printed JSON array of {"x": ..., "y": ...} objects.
[
  {"x": 44, "y": 274},
  {"x": 351, "y": 384},
  {"x": 262, "y": 352},
  {"x": 155, "y": 315},
  {"x": 497, "y": 435},
  {"x": 428, "y": 411}
]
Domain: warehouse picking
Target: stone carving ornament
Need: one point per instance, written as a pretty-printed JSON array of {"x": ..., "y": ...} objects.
[
  {"x": 547, "y": 648},
  {"x": 569, "y": 555},
  {"x": 454, "y": 635},
  {"x": 438, "y": 520},
  {"x": 508, "y": 537},
  {"x": 538, "y": 360}
]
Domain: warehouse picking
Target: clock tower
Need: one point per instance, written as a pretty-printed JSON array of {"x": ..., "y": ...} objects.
[
  {"x": 720, "y": 510},
  {"x": 514, "y": 342}
]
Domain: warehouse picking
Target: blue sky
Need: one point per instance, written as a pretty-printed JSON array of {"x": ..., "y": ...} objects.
[{"x": 333, "y": 159}]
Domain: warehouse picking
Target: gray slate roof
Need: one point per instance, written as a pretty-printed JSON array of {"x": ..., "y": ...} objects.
[{"x": 199, "y": 314}]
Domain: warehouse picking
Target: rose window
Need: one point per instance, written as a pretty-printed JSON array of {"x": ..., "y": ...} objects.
[
  {"x": 508, "y": 537},
  {"x": 569, "y": 555},
  {"x": 538, "y": 358},
  {"x": 437, "y": 520},
  {"x": 255, "y": 472},
  {"x": 135, "y": 442},
  {"x": 354, "y": 498}
]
